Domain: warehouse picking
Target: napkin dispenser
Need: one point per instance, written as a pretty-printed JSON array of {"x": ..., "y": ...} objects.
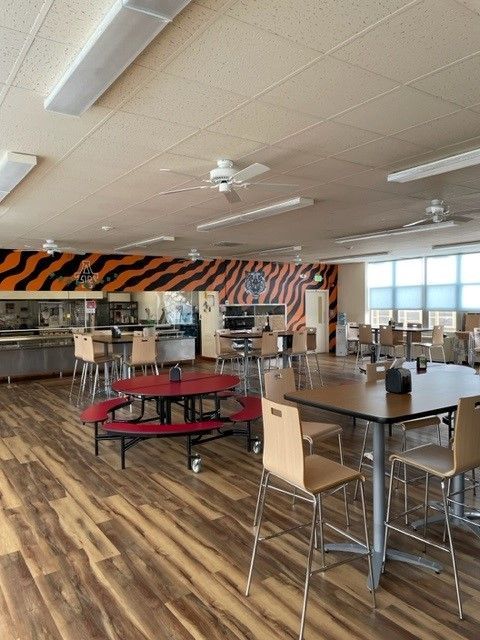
[
  {"x": 175, "y": 374},
  {"x": 398, "y": 380}
]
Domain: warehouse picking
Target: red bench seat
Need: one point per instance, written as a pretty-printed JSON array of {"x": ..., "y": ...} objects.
[
  {"x": 100, "y": 412},
  {"x": 251, "y": 409},
  {"x": 158, "y": 429}
]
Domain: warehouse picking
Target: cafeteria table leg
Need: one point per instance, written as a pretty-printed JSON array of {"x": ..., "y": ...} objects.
[
  {"x": 378, "y": 501},
  {"x": 409, "y": 345}
]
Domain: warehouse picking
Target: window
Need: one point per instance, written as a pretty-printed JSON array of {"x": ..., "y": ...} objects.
[
  {"x": 410, "y": 315},
  {"x": 441, "y": 290},
  {"x": 470, "y": 281},
  {"x": 380, "y": 316},
  {"x": 380, "y": 284},
  {"x": 446, "y": 318}
]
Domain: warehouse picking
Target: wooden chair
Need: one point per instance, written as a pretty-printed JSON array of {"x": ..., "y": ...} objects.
[
  {"x": 78, "y": 355},
  {"x": 444, "y": 464},
  {"x": 277, "y": 384},
  {"x": 224, "y": 352},
  {"x": 144, "y": 354},
  {"x": 92, "y": 360},
  {"x": 364, "y": 340},
  {"x": 389, "y": 340},
  {"x": 312, "y": 476},
  {"x": 300, "y": 352},
  {"x": 377, "y": 371},
  {"x": 268, "y": 352},
  {"x": 436, "y": 343}
]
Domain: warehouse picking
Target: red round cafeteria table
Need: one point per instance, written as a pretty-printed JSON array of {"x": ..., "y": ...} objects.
[{"x": 193, "y": 386}]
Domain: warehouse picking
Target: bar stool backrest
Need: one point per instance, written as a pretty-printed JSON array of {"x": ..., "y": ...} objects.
[
  {"x": 299, "y": 341},
  {"x": 437, "y": 334},
  {"x": 283, "y": 442},
  {"x": 386, "y": 336},
  {"x": 223, "y": 345},
  {"x": 99, "y": 347},
  {"x": 277, "y": 383},
  {"x": 466, "y": 445},
  {"x": 88, "y": 348},
  {"x": 376, "y": 371},
  {"x": 144, "y": 350},
  {"x": 352, "y": 331},
  {"x": 269, "y": 343},
  {"x": 77, "y": 346},
  {"x": 365, "y": 334},
  {"x": 476, "y": 338}
]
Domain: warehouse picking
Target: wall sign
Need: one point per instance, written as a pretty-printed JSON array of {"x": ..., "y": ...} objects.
[{"x": 255, "y": 283}]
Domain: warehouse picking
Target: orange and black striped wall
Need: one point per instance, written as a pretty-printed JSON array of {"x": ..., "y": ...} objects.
[{"x": 285, "y": 282}]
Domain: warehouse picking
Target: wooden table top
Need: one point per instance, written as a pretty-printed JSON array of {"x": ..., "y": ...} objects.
[{"x": 433, "y": 392}]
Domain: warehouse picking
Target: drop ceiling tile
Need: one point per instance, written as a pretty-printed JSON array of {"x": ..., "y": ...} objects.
[
  {"x": 280, "y": 158},
  {"x": 424, "y": 37},
  {"x": 214, "y": 5},
  {"x": 178, "y": 100},
  {"x": 327, "y": 87},
  {"x": 26, "y": 127},
  {"x": 125, "y": 86},
  {"x": 328, "y": 138},
  {"x": 72, "y": 22},
  {"x": 246, "y": 59},
  {"x": 262, "y": 122},
  {"x": 397, "y": 110},
  {"x": 451, "y": 193},
  {"x": 11, "y": 43},
  {"x": 314, "y": 24},
  {"x": 376, "y": 179},
  {"x": 214, "y": 146},
  {"x": 473, "y": 5},
  {"x": 459, "y": 82},
  {"x": 43, "y": 65},
  {"x": 450, "y": 129},
  {"x": 188, "y": 24},
  {"x": 19, "y": 14},
  {"x": 326, "y": 170},
  {"x": 381, "y": 152}
]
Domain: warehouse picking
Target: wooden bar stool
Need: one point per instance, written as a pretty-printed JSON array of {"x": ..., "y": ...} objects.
[
  {"x": 364, "y": 340},
  {"x": 277, "y": 384},
  {"x": 144, "y": 354},
  {"x": 312, "y": 476},
  {"x": 377, "y": 371},
  {"x": 437, "y": 342},
  {"x": 442, "y": 463},
  {"x": 299, "y": 350},
  {"x": 224, "y": 352},
  {"x": 78, "y": 356},
  {"x": 268, "y": 352},
  {"x": 91, "y": 360},
  {"x": 389, "y": 340}
]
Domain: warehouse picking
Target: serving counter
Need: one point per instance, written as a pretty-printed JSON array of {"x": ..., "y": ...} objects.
[{"x": 51, "y": 353}]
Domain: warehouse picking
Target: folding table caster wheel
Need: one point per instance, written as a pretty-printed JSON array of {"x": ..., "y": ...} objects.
[
  {"x": 257, "y": 446},
  {"x": 197, "y": 464}
]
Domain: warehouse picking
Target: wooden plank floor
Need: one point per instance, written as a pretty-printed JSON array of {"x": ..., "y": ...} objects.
[{"x": 154, "y": 552}]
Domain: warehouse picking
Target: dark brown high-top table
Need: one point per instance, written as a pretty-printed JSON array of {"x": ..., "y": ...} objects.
[{"x": 434, "y": 392}]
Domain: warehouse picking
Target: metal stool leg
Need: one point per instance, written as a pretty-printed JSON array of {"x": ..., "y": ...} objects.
[
  {"x": 257, "y": 534},
  {"x": 340, "y": 451},
  {"x": 452, "y": 551},
  {"x": 362, "y": 455},
  {"x": 308, "y": 568}
]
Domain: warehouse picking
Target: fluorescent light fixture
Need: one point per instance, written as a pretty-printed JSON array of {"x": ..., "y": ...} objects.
[
  {"x": 125, "y": 31},
  {"x": 257, "y": 214},
  {"x": 457, "y": 245},
  {"x": 142, "y": 243},
  {"x": 459, "y": 161},
  {"x": 359, "y": 257},
  {"x": 387, "y": 233},
  {"x": 292, "y": 249},
  {"x": 13, "y": 169}
]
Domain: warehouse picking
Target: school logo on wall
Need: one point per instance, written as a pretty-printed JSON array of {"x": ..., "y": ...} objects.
[
  {"x": 255, "y": 283},
  {"x": 85, "y": 277}
]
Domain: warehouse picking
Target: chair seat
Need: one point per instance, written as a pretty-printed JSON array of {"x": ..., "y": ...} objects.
[
  {"x": 320, "y": 429},
  {"x": 229, "y": 354},
  {"x": 101, "y": 359},
  {"x": 420, "y": 423},
  {"x": 129, "y": 363},
  {"x": 322, "y": 474},
  {"x": 431, "y": 458},
  {"x": 428, "y": 345}
]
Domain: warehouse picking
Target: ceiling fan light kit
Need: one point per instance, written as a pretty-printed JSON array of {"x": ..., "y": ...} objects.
[
  {"x": 13, "y": 169},
  {"x": 257, "y": 214},
  {"x": 452, "y": 163},
  {"x": 125, "y": 31}
]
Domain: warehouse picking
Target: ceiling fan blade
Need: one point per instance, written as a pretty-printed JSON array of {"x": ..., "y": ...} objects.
[
  {"x": 460, "y": 218},
  {"x": 203, "y": 186},
  {"x": 255, "y": 169},
  {"x": 413, "y": 224},
  {"x": 273, "y": 184},
  {"x": 460, "y": 213},
  {"x": 232, "y": 196}
]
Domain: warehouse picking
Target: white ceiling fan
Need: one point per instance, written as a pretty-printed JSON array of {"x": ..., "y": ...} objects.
[
  {"x": 226, "y": 178},
  {"x": 51, "y": 248},
  {"x": 437, "y": 211}
]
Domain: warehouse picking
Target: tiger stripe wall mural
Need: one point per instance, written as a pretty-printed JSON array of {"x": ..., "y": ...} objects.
[{"x": 285, "y": 282}]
